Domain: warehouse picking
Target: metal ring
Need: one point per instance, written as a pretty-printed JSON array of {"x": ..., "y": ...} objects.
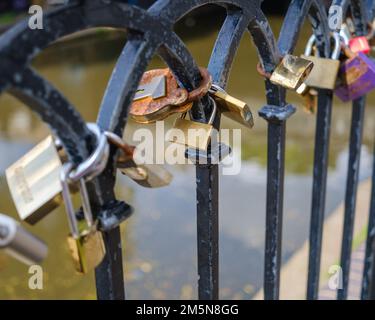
[
  {"x": 214, "y": 110},
  {"x": 216, "y": 88},
  {"x": 309, "y": 45},
  {"x": 97, "y": 161}
]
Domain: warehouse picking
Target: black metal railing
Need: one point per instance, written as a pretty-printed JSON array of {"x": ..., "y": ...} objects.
[{"x": 150, "y": 32}]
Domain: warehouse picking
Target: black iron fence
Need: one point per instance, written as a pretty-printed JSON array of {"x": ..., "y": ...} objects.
[{"x": 150, "y": 32}]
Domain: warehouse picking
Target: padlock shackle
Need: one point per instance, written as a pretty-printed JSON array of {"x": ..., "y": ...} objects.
[
  {"x": 69, "y": 208},
  {"x": 336, "y": 51},
  {"x": 97, "y": 161},
  {"x": 309, "y": 45},
  {"x": 214, "y": 111}
]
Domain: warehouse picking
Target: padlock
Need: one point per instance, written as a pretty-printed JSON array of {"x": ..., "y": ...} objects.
[
  {"x": 359, "y": 44},
  {"x": 291, "y": 72},
  {"x": 146, "y": 175},
  {"x": 310, "y": 98},
  {"x": 34, "y": 182},
  {"x": 159, "y": 96},
  {"x": 20, "y": 243},
  {"x": 194, "y": 134},
  {"x": 324, "y": 73},
  {"x": 85, "y": 242},
  {"x": 232, "y": 107},
  {"x": 217, "y": 153},
  {"x": 356, "y": 76}
]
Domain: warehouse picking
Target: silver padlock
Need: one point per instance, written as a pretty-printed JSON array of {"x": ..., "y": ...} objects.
[{"x": 20, "y": 243}]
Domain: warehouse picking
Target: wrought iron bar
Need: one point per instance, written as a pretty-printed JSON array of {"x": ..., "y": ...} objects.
[
  {"x": 356, "y": 132},
  {"x": 322, "y": 138}
]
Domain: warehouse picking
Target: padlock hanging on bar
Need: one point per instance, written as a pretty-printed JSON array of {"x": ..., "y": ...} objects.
[
  {"x": 356, "y": 76},
  {"x": 291, "y": 72},
  {"x": 146, "y": 175},
  {"x": 232, "y": 107},
  {"x": 159, "y": 96},
  {"x": 34, "y": 182},
  {"x": 324, "y": 73},
  {"x": 85, "y": 242},
  {"x": 195, "y": 135}
]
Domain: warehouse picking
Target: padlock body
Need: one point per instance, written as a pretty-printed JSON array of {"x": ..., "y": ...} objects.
[
  {"x": 196, "y": 135},
  {"x": 149, "y": 175},
  {"x": 158, "y": 97},
  {"x": 356, "y": 78},
  {"x": 234, "y": 109},
  {"x": 291, "y": 72},
  {"x": 359, "y": 44},
  {"x": 324, "y": 73},
  {"x": 34, "y": 182},
  {"x": 87, "y": 251}
]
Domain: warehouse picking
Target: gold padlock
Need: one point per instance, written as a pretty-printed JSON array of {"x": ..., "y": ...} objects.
[
  {"x": 310, "y": 98},
  {"x": 146, "y": 175},
  {"x": 87, "y": 251},
  {"x": 193, "y": 134},
  {"x": 325, "y": 71},
  {"x": 232, "y": 107},
  {"x": 291, "y": 72},
  {"x": 85, "y": 242},
  {"x": 34, "y": 182}
]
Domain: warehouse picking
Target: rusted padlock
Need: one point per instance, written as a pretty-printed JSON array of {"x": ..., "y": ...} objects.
[{"x": 159, "y": 96}]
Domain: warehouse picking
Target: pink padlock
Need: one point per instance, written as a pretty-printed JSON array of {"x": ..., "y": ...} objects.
[{"x": 359, "y": 44}]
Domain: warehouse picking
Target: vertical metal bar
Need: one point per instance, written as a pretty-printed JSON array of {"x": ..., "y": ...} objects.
[
  {"x": 356, "y": 133},
  {"x": 109, "y": 274},
  {"x": 275, "y": 195},
  {"x": 322, "y": 137},
  {"x": 368, "y": 280},
  {"x": 207, "y": 185}
]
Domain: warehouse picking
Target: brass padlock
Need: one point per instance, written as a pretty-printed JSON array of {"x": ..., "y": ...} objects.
[
  {"x": 146, "y": 175},
  {"x": 232, "y": 107},
  {"x": 193, "y": 134},
  {"x": 310, "y": 98},
  {"x": 291, "y": 72},
  {"x": 34, "y": 182},
  {"x": 325, "y": 71},
  {"x": 85, "y": 242}
]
